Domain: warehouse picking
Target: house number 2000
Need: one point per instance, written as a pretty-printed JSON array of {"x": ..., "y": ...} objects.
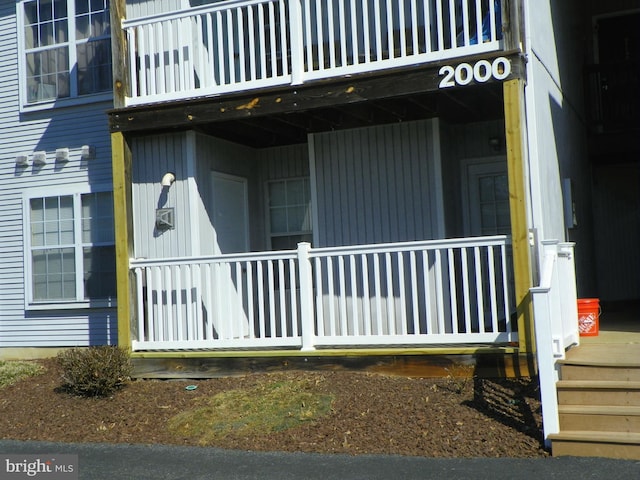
[{"x": 480, "y": 72}]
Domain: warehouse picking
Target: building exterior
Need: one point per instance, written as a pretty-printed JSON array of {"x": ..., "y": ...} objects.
[{"x": 310, "y": 176}]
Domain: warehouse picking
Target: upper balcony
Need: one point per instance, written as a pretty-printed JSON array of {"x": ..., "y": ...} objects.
[{"x": 239, "y": 45}]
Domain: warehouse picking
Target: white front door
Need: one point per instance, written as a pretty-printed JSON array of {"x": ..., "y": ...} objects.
[
  {"x": 230, "y": 213},
  {"x": 231, "y": 235}
]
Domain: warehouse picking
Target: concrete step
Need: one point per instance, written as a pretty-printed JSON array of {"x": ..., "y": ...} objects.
[
  {"x": 598, "y": 392},
  {"x": 599, "y": 418},
  {"x": 596, "y": 444}
]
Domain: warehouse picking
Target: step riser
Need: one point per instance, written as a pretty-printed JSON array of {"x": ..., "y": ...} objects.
[
  {"x": 599, "y": 423},
  {"x": 590, "y": 396},
  {"x": 588, "y": 449},
  {"x": 583, "y": 372}
]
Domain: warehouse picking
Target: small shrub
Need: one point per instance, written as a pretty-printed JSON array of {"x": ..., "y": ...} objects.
[{"x": 94, "y": 371}]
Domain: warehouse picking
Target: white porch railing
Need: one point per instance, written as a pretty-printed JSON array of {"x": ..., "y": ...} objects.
[
  {"x": 416, "y": 293},
  {"x": 238, "y": 45},
  {"x": 555, "y": 312}
]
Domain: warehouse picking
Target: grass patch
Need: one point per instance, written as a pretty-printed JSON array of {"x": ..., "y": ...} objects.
[
  {"x": 270, "y": 406},
  {"x": 11, "y": 372}
]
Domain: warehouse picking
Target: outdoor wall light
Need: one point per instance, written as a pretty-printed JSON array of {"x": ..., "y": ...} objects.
[
  {"x": 40, "y": 158},
  {"x": 168, "y": 179},
  {"x": 87, "y": 152},
  {"x": 62, "y": 155},
  {"x": 22, "y": 160},
  {"x": 495, "y": 143}
]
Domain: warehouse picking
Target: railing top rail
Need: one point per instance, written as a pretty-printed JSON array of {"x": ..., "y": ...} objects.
[
  {"x": 324, "y": 251},
  {"x": 190, "y": 12},
  {"x": 419, "y": 245},
  {"x": 228, "y": 257}
]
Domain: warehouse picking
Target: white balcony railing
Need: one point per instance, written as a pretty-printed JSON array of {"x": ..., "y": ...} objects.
[
  {"x": 238, "y": 45},
  {"x": 417, "y": 293}
]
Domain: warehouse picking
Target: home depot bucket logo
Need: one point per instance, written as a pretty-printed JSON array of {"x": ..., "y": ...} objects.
[
  {"x": 50, "y": 467},
  {"x": 587, "y": 323}
]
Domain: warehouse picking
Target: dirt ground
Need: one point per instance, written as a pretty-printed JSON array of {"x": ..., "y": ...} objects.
[{"x": 371, "y": 414}]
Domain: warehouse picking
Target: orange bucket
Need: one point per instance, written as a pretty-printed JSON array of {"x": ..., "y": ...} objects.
[{"x": 588, "y": 316}]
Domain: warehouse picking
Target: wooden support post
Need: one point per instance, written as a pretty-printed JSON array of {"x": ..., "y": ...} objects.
[
  {"x": 515, "y": 130},
  {"x": 121, "y": 164}
]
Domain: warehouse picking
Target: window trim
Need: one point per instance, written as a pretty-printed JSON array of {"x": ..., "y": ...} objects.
[
  {"x": 70, "y": 101},
  {"x": 45, "y": 192}
]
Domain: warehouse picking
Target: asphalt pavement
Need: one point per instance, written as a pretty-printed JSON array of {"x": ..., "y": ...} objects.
[{"x": 160, "y": 462}]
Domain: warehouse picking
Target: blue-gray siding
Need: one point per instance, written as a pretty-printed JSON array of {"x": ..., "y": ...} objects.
[{"x": 22, "y": 134}]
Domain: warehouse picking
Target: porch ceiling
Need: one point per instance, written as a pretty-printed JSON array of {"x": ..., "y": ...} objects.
[
  {"x": 286, "y": 116},
  {"x": 460, "y": 106}
]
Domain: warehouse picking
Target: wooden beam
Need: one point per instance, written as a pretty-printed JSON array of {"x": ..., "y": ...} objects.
[
  {"x": 322, "y": 94},
  {"x": 515, "y": 130},
  {"x": 119, "y": 53},
  {"x": 123, "y": 222}
]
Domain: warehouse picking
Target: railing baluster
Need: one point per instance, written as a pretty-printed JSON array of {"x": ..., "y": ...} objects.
[
  {"x": 479, "y": 289},
  {"x": 250, "y": 307},
  {"x": 414, "y": 292},
  {"x": 378, "y": 292},
  {"x": 402, "y": 29},
  {"x": 492, "y": 22},
  {"x": 354, "y": 33},
  {"x": 402, "y": 294},
  {"x": 211, "y": 82},
  {"x": 465, "y": 290},
  {"x": 231, "y": 43},
  {"x": 221, "y": 58},
  {"x": 366, "y": 31},
  {"x": 310, "y": 59},
  {"x": 344, "y": 329},
  {"x": 492, "y": 289},
  {"x": 175, "y": 328},
  {"x": 465, "y": 23},
  {"x": 294, "y": 302},
  {"x": 272, "y": 37},
  {"x": 391, "y": 308},
  {"x": 208, "y": 326},
  {"x": 261, "y": 316},
  {"x": 377, "y": 29},
  {"x": 354, "y": 295},
  {"x": 330, "y": 297},
  {"x": 284, "y": 47},
  {"x": 241, "y": 49},
  {"x": 282, "y": 286},
  {"x": 439, "y": 291},
  {"x": 342, "y": 19},
  {"x": 440, "y": 25},
  {"x": 253, "y": 75},
  {"x": 478, "y": 26},
  {"x": 366, "y": 296},
  {"x": 319, "y": 35},
  {"x": 453, "y": 300},
  {"x": 415, "y": 49},
  {"x": 505, "y": 287},
  {"x": 427, "y": 292},
  {"x": 271, "y": 293},
  {"x": 331, "y": 35},
  {"x": 452, "y": 23},
  {"x": 319, "y": 310}
]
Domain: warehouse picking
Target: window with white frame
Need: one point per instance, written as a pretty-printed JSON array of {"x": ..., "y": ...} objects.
[
  {"x": 71, "y": 250},
  {"x": 65, "y": 49},
  {"x": 289, "y": 212}
]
